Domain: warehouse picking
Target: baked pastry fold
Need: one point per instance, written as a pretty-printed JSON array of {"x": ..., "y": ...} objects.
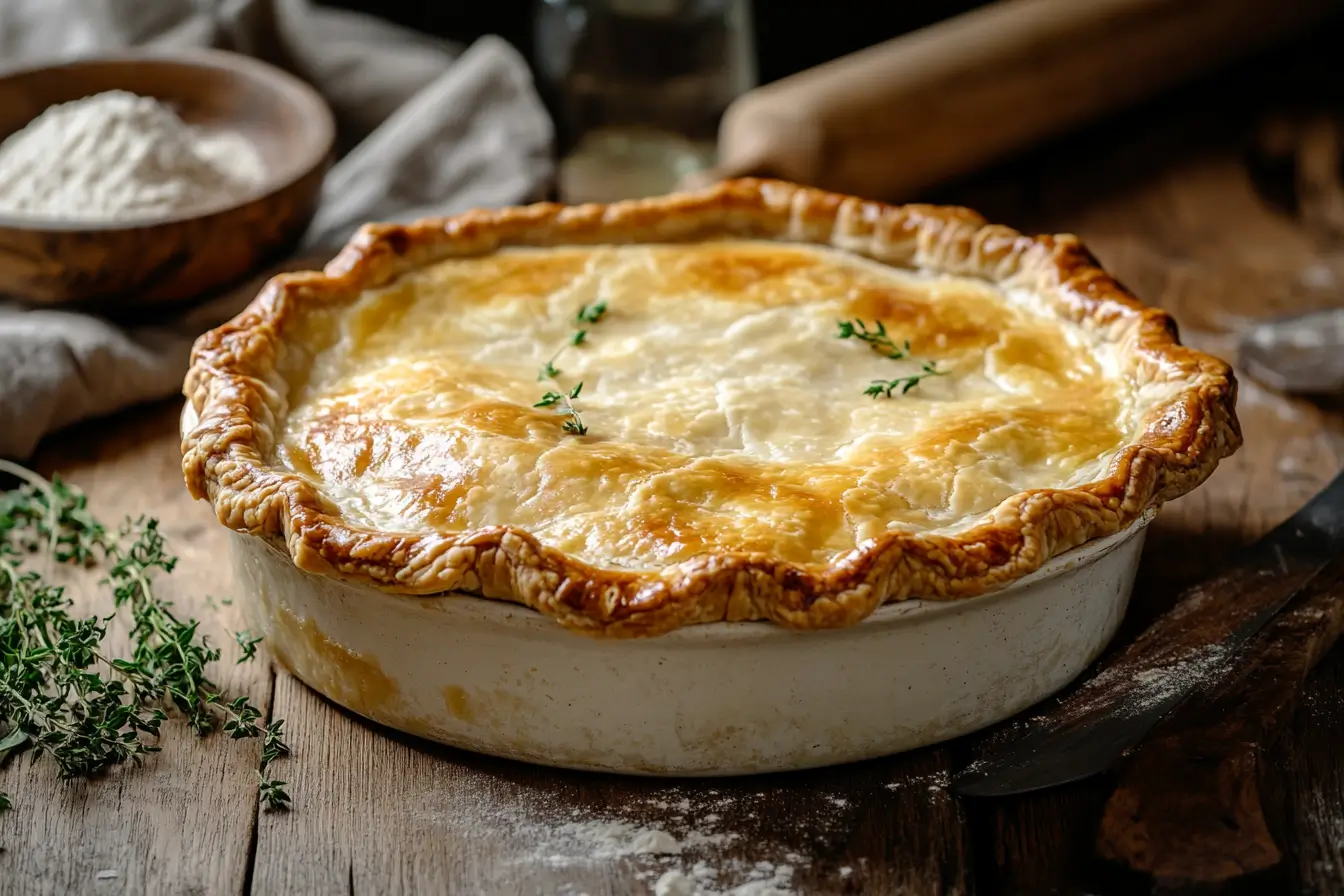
[{"x": 408, "y": 417}]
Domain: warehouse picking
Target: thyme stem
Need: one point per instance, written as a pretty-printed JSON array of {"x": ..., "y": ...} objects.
[
  {"x": 564, "y": 401},
  {"x": 61, "y": 694},
  {"x": 877, "y": 338}
]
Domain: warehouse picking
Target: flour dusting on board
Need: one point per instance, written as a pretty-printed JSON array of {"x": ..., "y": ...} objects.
[
  {"x": 1122, "y": 692},
  {"x": 776, "y": 880},
  {"x": 934, "y": 784},
  {"x": 675, "y": 841},
  {"x": 1135, "y": 693},
  {"x": 575, "y": 843},
  {"x": 619, "y": 838}
]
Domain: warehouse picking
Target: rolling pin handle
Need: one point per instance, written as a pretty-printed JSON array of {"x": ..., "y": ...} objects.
[{"x": 757, "y": 141}]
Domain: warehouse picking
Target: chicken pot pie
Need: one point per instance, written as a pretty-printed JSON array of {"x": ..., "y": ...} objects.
[{"x": 754, "y": 402}]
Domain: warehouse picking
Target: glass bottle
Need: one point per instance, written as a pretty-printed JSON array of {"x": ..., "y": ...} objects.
[{"x": 637, "y": 88}]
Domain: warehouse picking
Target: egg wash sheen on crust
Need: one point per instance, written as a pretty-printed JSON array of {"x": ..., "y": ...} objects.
[{"x": 722, "y": 411}]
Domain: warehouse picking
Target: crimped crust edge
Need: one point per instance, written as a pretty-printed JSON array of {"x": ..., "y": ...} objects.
[{"x": 238, "y": 397}]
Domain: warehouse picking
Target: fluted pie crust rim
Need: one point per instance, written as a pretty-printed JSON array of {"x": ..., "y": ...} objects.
[{"x": 238, "y": 397}]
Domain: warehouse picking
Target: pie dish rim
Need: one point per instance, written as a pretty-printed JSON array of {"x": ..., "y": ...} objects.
[{"x": 233, "y": 390}]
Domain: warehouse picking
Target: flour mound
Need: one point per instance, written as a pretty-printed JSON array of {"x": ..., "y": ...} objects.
[
  {"x": 674, "y": 883},
  {"x": 618, "y": 838},
  {"x": 119, "y": 156}
]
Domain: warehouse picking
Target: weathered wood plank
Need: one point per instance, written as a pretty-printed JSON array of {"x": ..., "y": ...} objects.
[
  {"x": 182, "y": 822},
  {"x": 1188, "y": 804},
  {"x": 379, "y": 812},
  {"x": 1308, "y": 758}
]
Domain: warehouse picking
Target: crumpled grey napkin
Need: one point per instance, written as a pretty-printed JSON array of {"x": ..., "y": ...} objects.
[{"x": 426, "y": 128}]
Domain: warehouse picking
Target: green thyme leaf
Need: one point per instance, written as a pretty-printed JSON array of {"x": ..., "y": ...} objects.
[
  {"x": 564, "y": 402},
  {"x": 16, "y": 738},
  {"x": 588, "y": 314},
  {"x": 549, "y": 399},
  {"x": 903, "y": 384},
  {"x": 591, "y": 314},
  {"x": 876, "y": 337},
  {"x": 273, "y": 745},
  {"x": 247, "y": 644},
  {"x": 273, "y": 793}
]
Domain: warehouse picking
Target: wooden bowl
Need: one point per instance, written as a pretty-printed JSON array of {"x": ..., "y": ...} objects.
[{"x": 49, "y": 261}]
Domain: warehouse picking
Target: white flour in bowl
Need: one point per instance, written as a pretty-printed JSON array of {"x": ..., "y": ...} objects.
[{"x": 118, "y": 156}]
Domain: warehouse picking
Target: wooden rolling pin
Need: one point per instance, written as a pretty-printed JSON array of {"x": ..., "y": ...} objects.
[{"x": 904, "y": 115}]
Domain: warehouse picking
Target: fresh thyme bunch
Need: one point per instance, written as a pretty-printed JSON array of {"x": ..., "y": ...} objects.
[{"x": 61, "y": 694}]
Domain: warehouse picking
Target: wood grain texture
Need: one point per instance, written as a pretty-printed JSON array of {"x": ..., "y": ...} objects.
[
  {"x": 379, "y": 812},
  {"x": 182, "y": 822},
  {"x": 1188, "y": 803},
  {"x": 1310, "y": 774}
]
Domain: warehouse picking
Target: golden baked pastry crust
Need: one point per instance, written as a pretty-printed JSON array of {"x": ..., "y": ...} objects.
[{"x": 786, "y": 534}]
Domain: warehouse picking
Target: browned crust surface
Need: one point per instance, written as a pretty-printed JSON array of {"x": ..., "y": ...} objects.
[{"x": 240, "y": 399}]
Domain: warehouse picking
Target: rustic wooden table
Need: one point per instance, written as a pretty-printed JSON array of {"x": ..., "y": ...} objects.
[{"x": 1221, "y": 204}]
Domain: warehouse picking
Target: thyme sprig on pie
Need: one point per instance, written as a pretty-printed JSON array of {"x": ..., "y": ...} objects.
[
  {"x": 564, "y": 401},
  {"x": 876, "y": 336}
]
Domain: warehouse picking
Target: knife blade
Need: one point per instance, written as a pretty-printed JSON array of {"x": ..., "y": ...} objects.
[
  {"x": 1192, "y": 644},
  {"x": 1302, "y": 354}
]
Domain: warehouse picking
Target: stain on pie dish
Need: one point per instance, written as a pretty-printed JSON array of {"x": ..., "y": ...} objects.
[{"x": 385, "y": 419}]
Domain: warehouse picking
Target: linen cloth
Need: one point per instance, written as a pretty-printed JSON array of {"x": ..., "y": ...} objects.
[{"x": 425, "y": 128}]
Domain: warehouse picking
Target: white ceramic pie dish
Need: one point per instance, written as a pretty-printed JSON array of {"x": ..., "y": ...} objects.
[
  {"x": 704, "y": 700},
  {"x": 426, "y": 528}
]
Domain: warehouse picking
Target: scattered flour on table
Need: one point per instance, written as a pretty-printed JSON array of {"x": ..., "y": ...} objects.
[
  {"x": 1317, "y": 276},
  {"x": 933, "y": 783},
  {"x": 1125, "y": 693},
  {"x": 614, "y": 839},
  {"x": 1144, "y": 690},
  {"x": 776, "y": 880},
  {"x": 120, "y": 156},
  {"x": 609, "y": 839},
  {"x": 674, "y": 841},
  {"x": 674, "y": 883}
]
